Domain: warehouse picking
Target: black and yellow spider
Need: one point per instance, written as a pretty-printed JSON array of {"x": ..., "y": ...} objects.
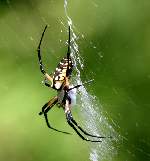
[{"x": 60, "y": 81}]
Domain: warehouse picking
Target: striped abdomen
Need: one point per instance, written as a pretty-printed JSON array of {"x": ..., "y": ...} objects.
[{"x": 61, "y": 72}]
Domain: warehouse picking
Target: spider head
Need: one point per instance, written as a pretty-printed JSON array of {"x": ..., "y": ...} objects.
[{"x": 64, "y": 93}]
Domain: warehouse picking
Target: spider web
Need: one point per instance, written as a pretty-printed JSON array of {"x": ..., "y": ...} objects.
[{"x": 94, "y": 119}]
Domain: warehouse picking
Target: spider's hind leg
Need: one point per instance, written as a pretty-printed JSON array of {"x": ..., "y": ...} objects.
[
  {"x": 46, "y": 83},
  {"x": 40, "y": 59},
  {"x": 39, "y": 52}
]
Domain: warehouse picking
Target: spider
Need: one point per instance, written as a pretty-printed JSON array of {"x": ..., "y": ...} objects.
[{"x": 60, "y": 81}]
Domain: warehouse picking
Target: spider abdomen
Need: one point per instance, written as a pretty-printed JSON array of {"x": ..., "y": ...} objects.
[{"x": 61, "y": 72}]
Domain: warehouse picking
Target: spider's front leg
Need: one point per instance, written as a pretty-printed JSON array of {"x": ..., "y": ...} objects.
[
  {"x": 49, "y": 105},
  {"x": 45, "y": 110},
  {"x": 40, "y": 59},
  {"x": 76, "y": 127}
]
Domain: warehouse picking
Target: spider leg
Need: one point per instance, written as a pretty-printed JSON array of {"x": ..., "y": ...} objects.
[
  {"x": 45, "y": 83},
  {"x": 47, "y": 122},
  {"x": 79, "y": 85},
  {"x": 69, "y": 120},
  {"x": 39, "y": 52},
  {"x": 45, "y": 110},
  {"x": 68, "y": 52},
  {"x": 86, "y": 133},
  {"x": 40, "y": 59},
  {"x": 48, "y": 105}
]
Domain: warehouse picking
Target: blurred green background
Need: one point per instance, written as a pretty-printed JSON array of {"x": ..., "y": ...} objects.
[{"x": 116, "y": 53}]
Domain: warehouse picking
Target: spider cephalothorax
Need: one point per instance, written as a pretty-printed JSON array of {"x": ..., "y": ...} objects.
[{"x": 60, "y": 81}]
